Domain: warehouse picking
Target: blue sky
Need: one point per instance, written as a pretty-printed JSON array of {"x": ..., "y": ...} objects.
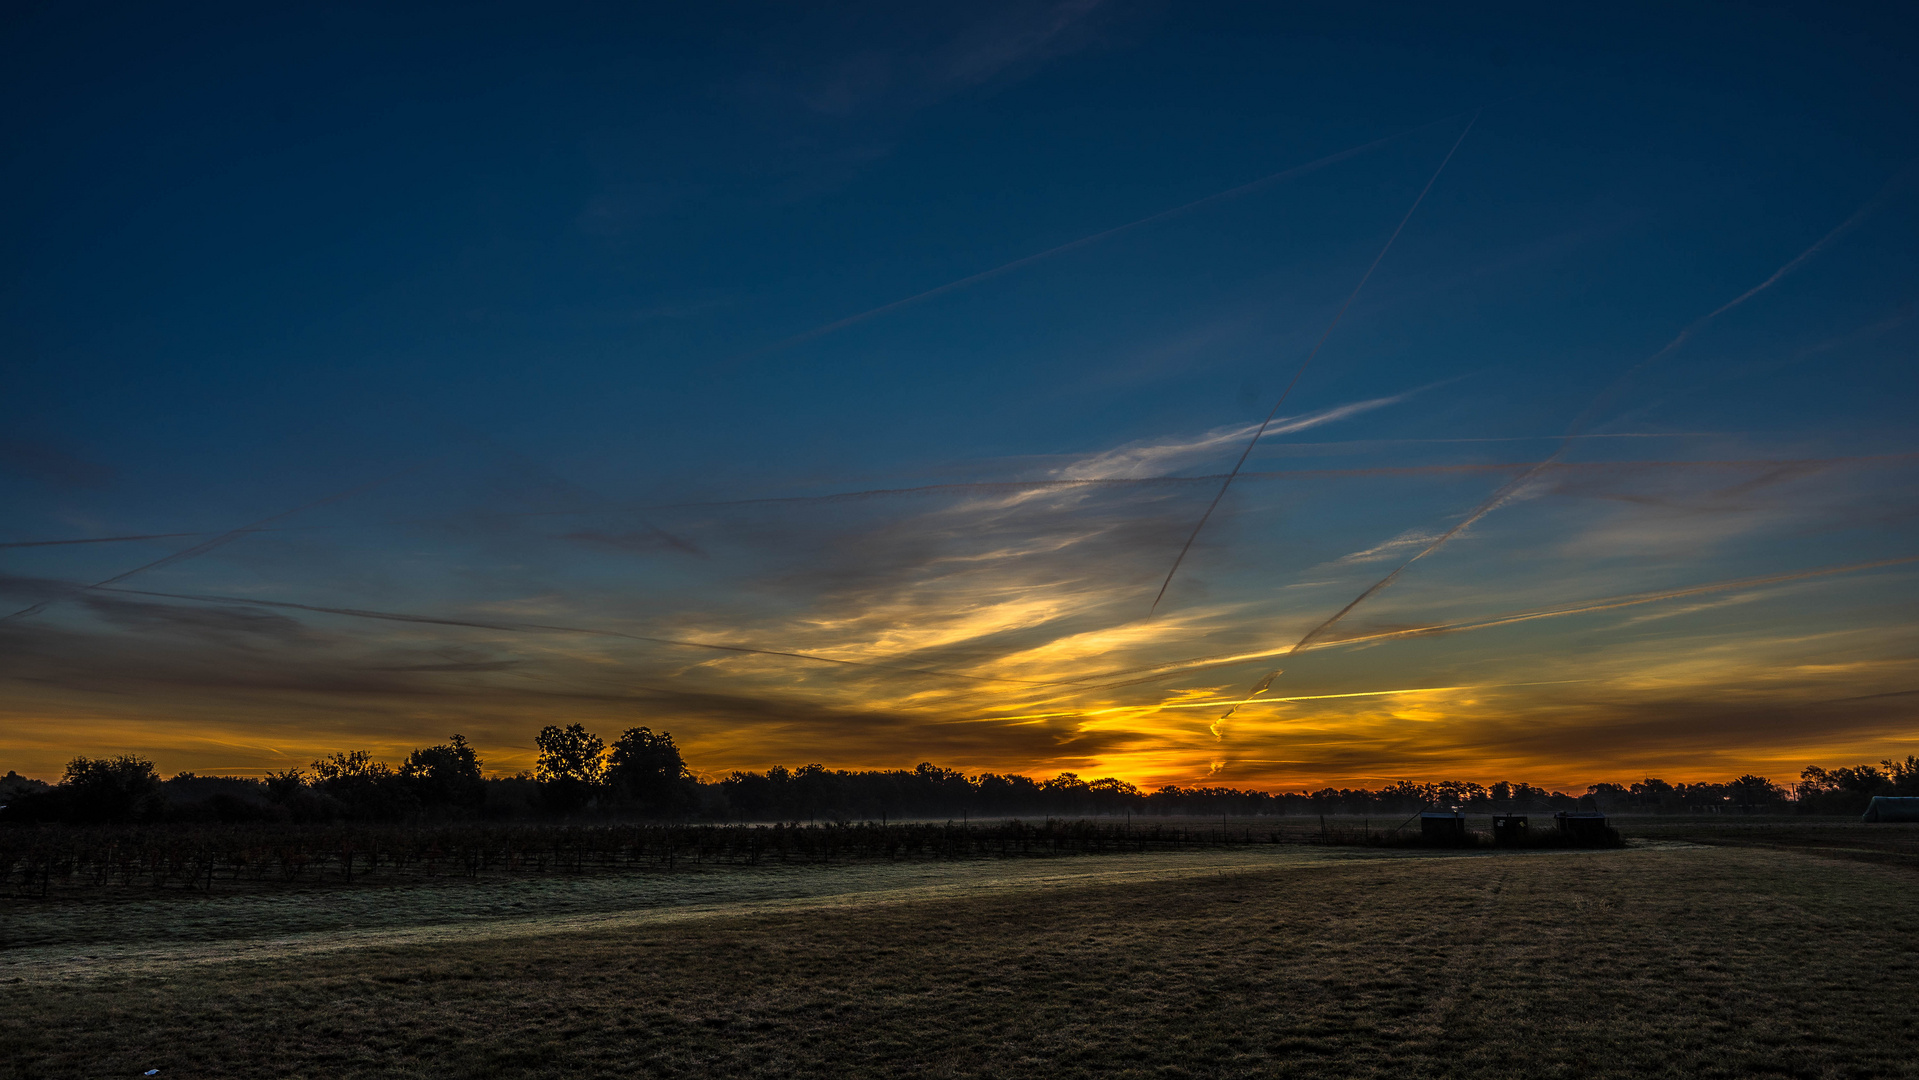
[{"x": 536, "y": 292}]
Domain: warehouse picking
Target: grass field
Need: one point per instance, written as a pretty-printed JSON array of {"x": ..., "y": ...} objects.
[{"x": 1667, "y": 959}]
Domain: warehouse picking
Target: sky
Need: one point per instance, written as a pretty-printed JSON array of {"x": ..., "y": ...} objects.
[{"x": 842, "y": 384}]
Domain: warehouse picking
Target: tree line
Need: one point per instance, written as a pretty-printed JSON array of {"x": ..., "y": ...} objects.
[{"x": 642, "y": 774}]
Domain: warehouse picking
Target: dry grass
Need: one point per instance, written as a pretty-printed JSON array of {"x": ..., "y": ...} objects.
[
  {"x": 1650, "y": 962},
  {"x": 1890, "y": 843}
]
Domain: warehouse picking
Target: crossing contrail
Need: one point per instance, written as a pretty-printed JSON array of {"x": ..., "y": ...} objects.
[
  {"x": 1511, "y": 488},
  {"x": 1194, "y": 665},
  {"x": 1176, "y": 668},
  {"x": 1610, "y": 603},
  {"x": 1304, "y": 364}
]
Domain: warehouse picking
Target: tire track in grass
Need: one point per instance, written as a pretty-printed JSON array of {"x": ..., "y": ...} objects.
[
  {"x": 1464, "y": 966},
  {"x": 849, "y": 888}
]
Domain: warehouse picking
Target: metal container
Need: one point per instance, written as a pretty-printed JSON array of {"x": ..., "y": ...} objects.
[
  {"x": 1439, "y": 825},
  {"x": 1584, "y": 825}
]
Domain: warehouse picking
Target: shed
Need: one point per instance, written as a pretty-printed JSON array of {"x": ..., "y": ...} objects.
[
  {"x": 1509, "y": 828},
  {"x": 1442, "y": 825},
  {"x": 1581, "y": 823},
  {"x": 1892, "y": 808}
]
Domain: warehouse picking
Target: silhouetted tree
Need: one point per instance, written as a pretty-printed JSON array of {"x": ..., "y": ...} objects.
[
  {"x": 447, "y": 775},
  {"x": 1110, "y": 796},
  {"x": 229, "y": 799},
  {"x": 119, "y": 789},
  {"x": 1903, "y": 776},
  {"x": 286, "y": 784},
  {"x": 571, "y": 763},
  {"x": 1066, "y": 793},
  {"x": 1458, "y": 793},
  {"x": 647, "y": 769},
  {"x": 1751, "y": 792},
  {"x": 1840, "y": 791},
  {"x": 1610, "y": 797},
  {"x": 749, "y": 794},
  {"x": 1652, "y": 794},
  {"x": 1009, "y": 794},
  {"x": 13, "y": 785},
  {"x": 815, "y": 793},
  {"x": 363, "y": 789}
]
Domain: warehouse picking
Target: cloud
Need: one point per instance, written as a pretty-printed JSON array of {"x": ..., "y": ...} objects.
[
  {"x": 205, "y": 546},
  {"x": 232, "y": 623},
  {"x": 1389, "y": 548},
  {"x": 1154, "y": 458},
  {"x": 856, "y": 628}
]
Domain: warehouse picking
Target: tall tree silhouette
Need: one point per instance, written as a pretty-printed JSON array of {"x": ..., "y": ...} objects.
[
  {"x": 572, "y": 763},
  {"x": 447, "y": 775},
  {"x": 647, "y": 769}
]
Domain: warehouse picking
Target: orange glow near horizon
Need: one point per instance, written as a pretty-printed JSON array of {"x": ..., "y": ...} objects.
[
  {"x": 1359, "y": 738},
  {"x": 983, "y": 663}
]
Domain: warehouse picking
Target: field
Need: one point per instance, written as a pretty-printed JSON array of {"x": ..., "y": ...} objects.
[{"x": 1718, "y": 949}]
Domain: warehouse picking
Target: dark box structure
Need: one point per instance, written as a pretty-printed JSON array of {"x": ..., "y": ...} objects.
[
  {"x": 1581, "y": 824},
  {"x": 1439, "y": 825},
  {"x": 1509, "y": 828}
]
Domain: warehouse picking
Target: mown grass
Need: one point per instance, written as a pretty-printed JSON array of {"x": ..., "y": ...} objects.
[
  {"x": 1662, "y": 962},
  {"x": 1890, "y": 843}
]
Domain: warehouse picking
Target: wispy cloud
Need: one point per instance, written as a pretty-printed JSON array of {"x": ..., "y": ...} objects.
[{"x": 1149, "y": 458}]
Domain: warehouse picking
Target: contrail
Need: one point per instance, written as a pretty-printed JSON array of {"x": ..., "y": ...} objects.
[
  {"x": 1218, "y": 726},
  {"x": 1213, "y": 704},
  {"x": 1615, "y": 602},
  {"x": 1230, "y": 193},
  {"x": 1865, "y": 210},
  {"x": 99, "y": 540},
  {"x": 1512, "y": 487},
  {"x": 994, "y": 487},
  {"x": 224, "y": 538},
  {"x": 1197, "y": 664},
  {"x": 1176, "y": 668},
  {"x": 441, "y": 620},
  {"x": 1228, "y": 481}
]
